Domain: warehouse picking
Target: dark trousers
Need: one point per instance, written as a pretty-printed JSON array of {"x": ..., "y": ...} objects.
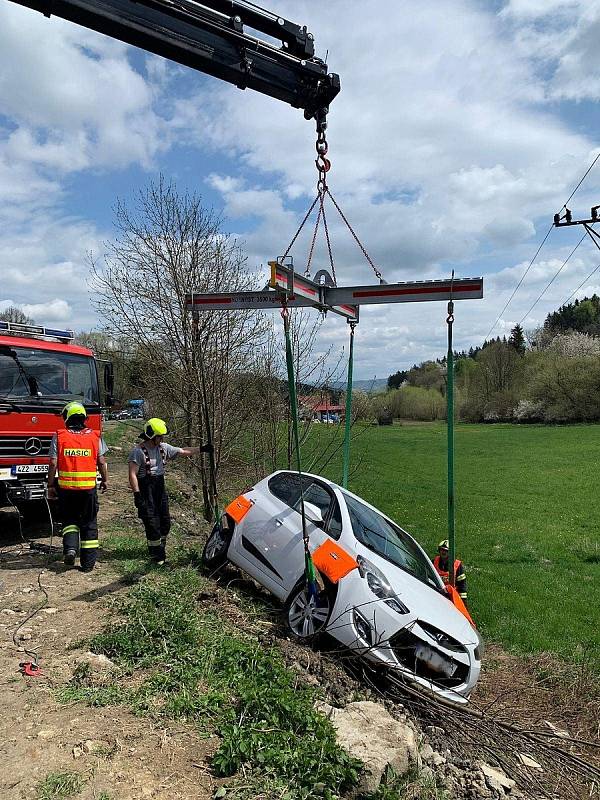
[
  {"x": 154, "y": 513},
  {"x": 78, "y": 509}
]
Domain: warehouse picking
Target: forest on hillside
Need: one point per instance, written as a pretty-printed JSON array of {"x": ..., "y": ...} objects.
[{"x": 548, "y": 375}]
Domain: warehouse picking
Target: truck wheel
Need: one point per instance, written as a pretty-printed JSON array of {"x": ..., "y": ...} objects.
[{"x": 34, "y": 511}]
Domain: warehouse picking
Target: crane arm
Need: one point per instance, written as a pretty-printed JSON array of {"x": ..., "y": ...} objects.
[{"x": 210, "y": 36}]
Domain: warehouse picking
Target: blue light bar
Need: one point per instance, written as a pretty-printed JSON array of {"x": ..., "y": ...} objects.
[
  {"x": 17, "y": 328},
  {"x": 67, "y": 334}
]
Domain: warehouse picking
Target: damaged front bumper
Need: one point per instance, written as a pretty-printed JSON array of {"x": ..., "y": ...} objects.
[{"x": 414, "y": 649}]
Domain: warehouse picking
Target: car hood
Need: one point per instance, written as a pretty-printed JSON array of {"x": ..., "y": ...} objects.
[{"x": 424, "y": 602}]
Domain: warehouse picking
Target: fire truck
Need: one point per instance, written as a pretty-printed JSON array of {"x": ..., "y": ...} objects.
[{"x": 41, "y": 370}]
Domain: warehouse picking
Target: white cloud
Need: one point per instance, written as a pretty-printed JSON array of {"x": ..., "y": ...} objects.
[
  {"x": 46, "y": 266},
  {"x": 447, "y": 143},
  {"x": 71, "y": 101},
  {"x": 446, "y": 120},
  {"x": 445, "y": 151},
  {"x": 562, "y": 36},
  {"x": 55, "y": 311},
  {"x": 74, "y": 97},
  {"x": 533, "y": 9}
]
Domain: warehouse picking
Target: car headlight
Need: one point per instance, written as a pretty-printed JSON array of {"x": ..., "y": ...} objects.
[{"x": 380, "y": 586}]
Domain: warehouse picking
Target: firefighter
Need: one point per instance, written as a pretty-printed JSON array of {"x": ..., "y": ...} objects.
[
  {"x": 77, "y": 452},
  {"x": 440, "y": 562},
  {"x": 147, "y": 482}
]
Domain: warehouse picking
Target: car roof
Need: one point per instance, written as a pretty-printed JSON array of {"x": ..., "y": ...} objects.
[
  {"x": 341, "y": 489},
  {"x": 356, "y": 497}
]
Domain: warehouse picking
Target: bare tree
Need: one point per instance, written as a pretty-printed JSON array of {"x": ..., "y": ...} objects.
[
  {"x": 168, "y": 245},
  {"x": 14, "y": 314}
]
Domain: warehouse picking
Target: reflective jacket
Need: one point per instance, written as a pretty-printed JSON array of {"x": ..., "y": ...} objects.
[
  {"x": 460, "y": 578},
  {"x": 77, "y": 456}
]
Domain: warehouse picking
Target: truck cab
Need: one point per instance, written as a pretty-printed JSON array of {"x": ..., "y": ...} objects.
[{"x": 40, "y": 371}]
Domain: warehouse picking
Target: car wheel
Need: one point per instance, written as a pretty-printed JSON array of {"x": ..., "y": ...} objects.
[
  {"x": 306, "y": 616},
  {"x": 214, "y": 554}
]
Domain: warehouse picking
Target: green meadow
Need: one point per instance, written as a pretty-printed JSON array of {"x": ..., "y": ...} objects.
[{"x": 527, "y": 519}]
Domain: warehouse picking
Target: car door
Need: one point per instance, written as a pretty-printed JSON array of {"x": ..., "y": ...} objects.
[
  {"x": 287, "y": 545},
  {"x": 278, "y": 542}
]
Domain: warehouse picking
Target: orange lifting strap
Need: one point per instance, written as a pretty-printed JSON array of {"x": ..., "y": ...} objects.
[
  {"x": 458, "y": 602},
  {"x": 332, "y": 561}
]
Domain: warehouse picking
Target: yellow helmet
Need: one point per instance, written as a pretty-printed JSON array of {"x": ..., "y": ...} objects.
[
  {"x": 444, "y": 543},
  {"x": 73, "y": 410},
  {"x": 155, "y": 427}
]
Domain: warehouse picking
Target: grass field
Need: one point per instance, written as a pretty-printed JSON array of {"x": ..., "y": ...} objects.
[{"x": 527, "y": 519}]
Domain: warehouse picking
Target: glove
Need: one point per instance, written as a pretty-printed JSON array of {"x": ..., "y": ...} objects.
[{"x": 137, "y": 500}]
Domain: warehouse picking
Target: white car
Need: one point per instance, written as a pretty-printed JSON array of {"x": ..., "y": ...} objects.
[{"x": 390, "y": 605}]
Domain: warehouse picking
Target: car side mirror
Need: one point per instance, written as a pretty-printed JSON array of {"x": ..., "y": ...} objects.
[{"x": 313, "y": 514}]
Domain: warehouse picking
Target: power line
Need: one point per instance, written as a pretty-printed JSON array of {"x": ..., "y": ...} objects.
[
  {"x": 521, "y": 281},
  {"x": 586, "y": 173},
  {"x": 554, "y": 277},
  {"x": 593, "y": 272},
  {"x": 583, "y": 177}
]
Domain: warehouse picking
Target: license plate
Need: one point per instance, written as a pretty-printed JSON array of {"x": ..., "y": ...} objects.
[
  {"x": 28, "y": 469},
  {"x": 436, "y": 661}
]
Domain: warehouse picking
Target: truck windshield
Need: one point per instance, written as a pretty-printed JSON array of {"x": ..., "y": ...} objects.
[{"x": 53, "y": 375}]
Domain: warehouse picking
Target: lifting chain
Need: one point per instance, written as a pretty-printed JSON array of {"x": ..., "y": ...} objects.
[
  {"x": 322, "y": 163},
  {"x": 450, "y": 317}
]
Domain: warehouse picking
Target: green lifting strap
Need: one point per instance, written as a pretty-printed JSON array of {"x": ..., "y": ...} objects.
[
  {"x": 309, "y": 567},
  {"x": 450, "y": 429},
  {"x": 348, "y": 420}
]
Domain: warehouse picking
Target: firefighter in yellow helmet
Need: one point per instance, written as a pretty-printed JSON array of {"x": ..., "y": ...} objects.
[
  {"x": 147, "y": 482},
  {"x": 77, "y": 454},
  {"x": 440, "y": 562}
]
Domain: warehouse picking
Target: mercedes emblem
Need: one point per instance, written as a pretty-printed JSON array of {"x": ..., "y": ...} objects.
[{"x": 33, "y": 446}]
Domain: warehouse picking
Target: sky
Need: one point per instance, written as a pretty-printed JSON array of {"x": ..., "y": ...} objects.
[{"x": 462, "y": 126}]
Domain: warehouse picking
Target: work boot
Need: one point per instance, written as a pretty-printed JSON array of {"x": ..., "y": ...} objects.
[{"x": 69, "y": 558}]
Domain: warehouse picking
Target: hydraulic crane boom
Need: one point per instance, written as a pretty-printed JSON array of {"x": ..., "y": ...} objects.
[{"x": 209, "y": 36}]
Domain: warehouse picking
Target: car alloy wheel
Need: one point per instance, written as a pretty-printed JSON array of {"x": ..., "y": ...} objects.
[
  {"x": 307, "y": 615},
  {"x": 215, "y": 550}
]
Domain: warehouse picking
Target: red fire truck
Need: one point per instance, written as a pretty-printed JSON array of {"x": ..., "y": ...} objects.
[{"x": 41, "y": 370}]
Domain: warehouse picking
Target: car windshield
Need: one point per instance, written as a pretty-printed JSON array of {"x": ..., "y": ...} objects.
[
  {"x": 389, "y": 541},
  {"x": 27, "y": 373}
]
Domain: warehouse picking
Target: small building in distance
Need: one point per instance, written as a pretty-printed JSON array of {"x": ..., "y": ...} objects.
[{"x": 320, "y": 407}]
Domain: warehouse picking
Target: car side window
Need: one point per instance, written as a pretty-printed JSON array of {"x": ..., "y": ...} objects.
[
  {"x": 335, "y": 522},
  {"x": 319, "y": 496},
  {"x": 286, "y": 487}
]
